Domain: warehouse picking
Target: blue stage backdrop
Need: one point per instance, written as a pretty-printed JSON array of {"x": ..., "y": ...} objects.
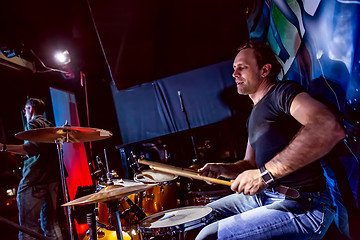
[{"x": 153, "y": 109}]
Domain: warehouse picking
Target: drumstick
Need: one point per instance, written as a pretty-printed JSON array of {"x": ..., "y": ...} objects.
[{"x": 184, "y": 172}]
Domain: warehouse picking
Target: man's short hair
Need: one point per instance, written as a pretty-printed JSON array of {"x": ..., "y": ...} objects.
[
  {"x": 37, "y": 104},
  {"x": 264, "y": 54}
]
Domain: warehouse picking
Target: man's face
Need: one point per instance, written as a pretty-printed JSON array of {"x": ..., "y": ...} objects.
[
  {"x": 28, "y": 111},
  {"x": 246, "y": 72}
]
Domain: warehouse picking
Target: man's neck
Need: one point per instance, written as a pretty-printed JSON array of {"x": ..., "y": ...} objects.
[
  {"x": 34, "y": 116},
  {"x": 263, "y": 88}
]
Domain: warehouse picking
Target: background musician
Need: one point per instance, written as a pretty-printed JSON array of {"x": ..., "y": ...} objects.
[{"x": 37, "y": 192}]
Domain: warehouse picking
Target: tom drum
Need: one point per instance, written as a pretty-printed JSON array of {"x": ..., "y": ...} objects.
[
  {"x": 105, "y": 218},
  {"x": 161, "y": 197}
]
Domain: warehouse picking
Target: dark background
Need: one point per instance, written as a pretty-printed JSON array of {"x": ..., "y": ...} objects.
[{"x": 126, "y": 42}]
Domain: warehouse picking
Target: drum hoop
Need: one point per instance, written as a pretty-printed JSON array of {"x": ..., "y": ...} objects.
[
  {"x": 180, "y": 227},
  {"x": 100, "y": 186}
]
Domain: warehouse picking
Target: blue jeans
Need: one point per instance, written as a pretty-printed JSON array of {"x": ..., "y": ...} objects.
[
  {"x": 270, "y": 215},
  {"x": 39, "y": 202}
]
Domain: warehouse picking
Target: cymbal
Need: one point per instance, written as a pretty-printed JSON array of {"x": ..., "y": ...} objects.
[
  {"x": 196, "y": 166},
  {"x": 109, "y": 194},
  {"x": 65, "y": 134}
]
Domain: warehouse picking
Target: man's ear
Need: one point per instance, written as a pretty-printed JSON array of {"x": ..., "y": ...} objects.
[
  {"x": 265, "y": 70},
  {"x": 32, "y": 111}
]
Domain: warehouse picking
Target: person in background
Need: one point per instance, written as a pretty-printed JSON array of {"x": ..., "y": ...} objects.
[
  {"x": 37, "y": 192},
  {"x": 280, "y": 186}
]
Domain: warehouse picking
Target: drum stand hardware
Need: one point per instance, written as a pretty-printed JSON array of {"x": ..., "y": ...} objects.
[
  {"x": 139, "y": 213},
  {"x": 113, "y": 206},
  {"x": 91, "y": 221},
  {"x": 59, "y": 143}
]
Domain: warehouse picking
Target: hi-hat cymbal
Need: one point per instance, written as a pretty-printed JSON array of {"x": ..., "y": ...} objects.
[
  {"x": 109, "y": 194},
  {"x": 64, "y": 134}
]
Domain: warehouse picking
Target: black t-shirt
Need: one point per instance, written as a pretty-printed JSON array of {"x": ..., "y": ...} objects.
[
  {"x": 42, "y": 164},
  {"x": 271, "y": 128}
]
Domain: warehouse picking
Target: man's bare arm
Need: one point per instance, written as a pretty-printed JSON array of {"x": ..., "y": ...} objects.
[
  {"x": 320, "y": 133},
  {"x": 17, "y": 149}
]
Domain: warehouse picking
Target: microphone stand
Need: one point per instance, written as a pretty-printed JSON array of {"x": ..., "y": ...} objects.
[
  {"x": 189, "y": 127},
  {"x": 83, "y": 83}
]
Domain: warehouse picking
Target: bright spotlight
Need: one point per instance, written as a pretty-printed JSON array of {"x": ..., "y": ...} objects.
[{"x": 63, "y": 57}]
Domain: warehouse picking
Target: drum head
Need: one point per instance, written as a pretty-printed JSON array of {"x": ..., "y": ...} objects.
[
  {"x": 151, "y": 176},
  {"x": 179, "y": 218},
  {"x": 121, "y": 182}
]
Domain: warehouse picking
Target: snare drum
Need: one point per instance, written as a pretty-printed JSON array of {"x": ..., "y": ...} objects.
[
  {"x": 161, "y": 197},
  {"x": 180, "y": 223}
]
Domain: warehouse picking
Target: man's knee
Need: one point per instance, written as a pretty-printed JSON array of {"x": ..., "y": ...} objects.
[{"x": 209, "y": 232}]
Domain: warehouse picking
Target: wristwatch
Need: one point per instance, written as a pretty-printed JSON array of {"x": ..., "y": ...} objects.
[
  {"x": 4, "y": 149},
  {"x": 266, "y": 176}
]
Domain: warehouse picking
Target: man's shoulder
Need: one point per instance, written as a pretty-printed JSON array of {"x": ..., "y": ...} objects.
[
  {"x": 289, "y": 85},
  {"x": 39, "y": 121}
]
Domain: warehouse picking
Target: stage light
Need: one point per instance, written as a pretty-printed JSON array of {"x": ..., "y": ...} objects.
[
  {"x": 63, "y": 58},
  {"x": 11, "y": 192}
]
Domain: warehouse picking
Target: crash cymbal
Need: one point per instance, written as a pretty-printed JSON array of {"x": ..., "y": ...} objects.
[
  {"x": 109, "y": 194},
  {"x": 64, "y": 134}
]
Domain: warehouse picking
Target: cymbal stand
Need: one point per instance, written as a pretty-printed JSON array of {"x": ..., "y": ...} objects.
[
  {"x": 108, "y": 173},
  {"x": 113, "y": 206},
  {"x": 59, "y": 143}
]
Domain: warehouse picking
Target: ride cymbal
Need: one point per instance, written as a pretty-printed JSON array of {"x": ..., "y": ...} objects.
[{"x": 64, "y": 134}]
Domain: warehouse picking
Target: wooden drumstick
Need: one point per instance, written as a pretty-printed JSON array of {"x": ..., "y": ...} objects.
[{"x": 184, "y": 172}]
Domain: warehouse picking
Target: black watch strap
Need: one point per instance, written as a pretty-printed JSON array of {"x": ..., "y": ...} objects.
[
  {"x": 266, "y": 176},
  {"x": 4, "y": 148}
]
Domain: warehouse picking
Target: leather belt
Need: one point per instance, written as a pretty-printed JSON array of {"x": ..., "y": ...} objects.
[{"x": 287, "y": 191}]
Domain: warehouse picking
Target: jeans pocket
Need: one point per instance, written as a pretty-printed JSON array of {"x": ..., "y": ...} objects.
[
  {"x": 39, "y": 191},
  {"x": 324, "y": 217}
]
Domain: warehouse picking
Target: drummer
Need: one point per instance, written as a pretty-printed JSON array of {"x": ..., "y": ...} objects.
[
  {"x": 280, "y": 186},
  {"x": 37, "y": 192}
]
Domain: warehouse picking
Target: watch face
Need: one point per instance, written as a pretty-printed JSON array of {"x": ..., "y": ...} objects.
[{"x": 266, "y": 177}]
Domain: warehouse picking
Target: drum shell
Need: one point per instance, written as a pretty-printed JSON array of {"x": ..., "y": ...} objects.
[
  {"x": 161, "y": 197},
  {"x": 104, "y": 217},
  {"x": 106, "y": 234}
]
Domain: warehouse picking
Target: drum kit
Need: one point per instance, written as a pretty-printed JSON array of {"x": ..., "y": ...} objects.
[{"x": 143, "y": 208}]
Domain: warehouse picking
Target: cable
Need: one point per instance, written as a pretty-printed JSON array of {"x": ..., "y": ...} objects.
[
  {"x": 337, "y": 101},
  {"x": 98, "y": 37},
  {"x": 48, "y": 68},
  {"x": 327, "y": 83},
  {"x": 351, "y": 151}
]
